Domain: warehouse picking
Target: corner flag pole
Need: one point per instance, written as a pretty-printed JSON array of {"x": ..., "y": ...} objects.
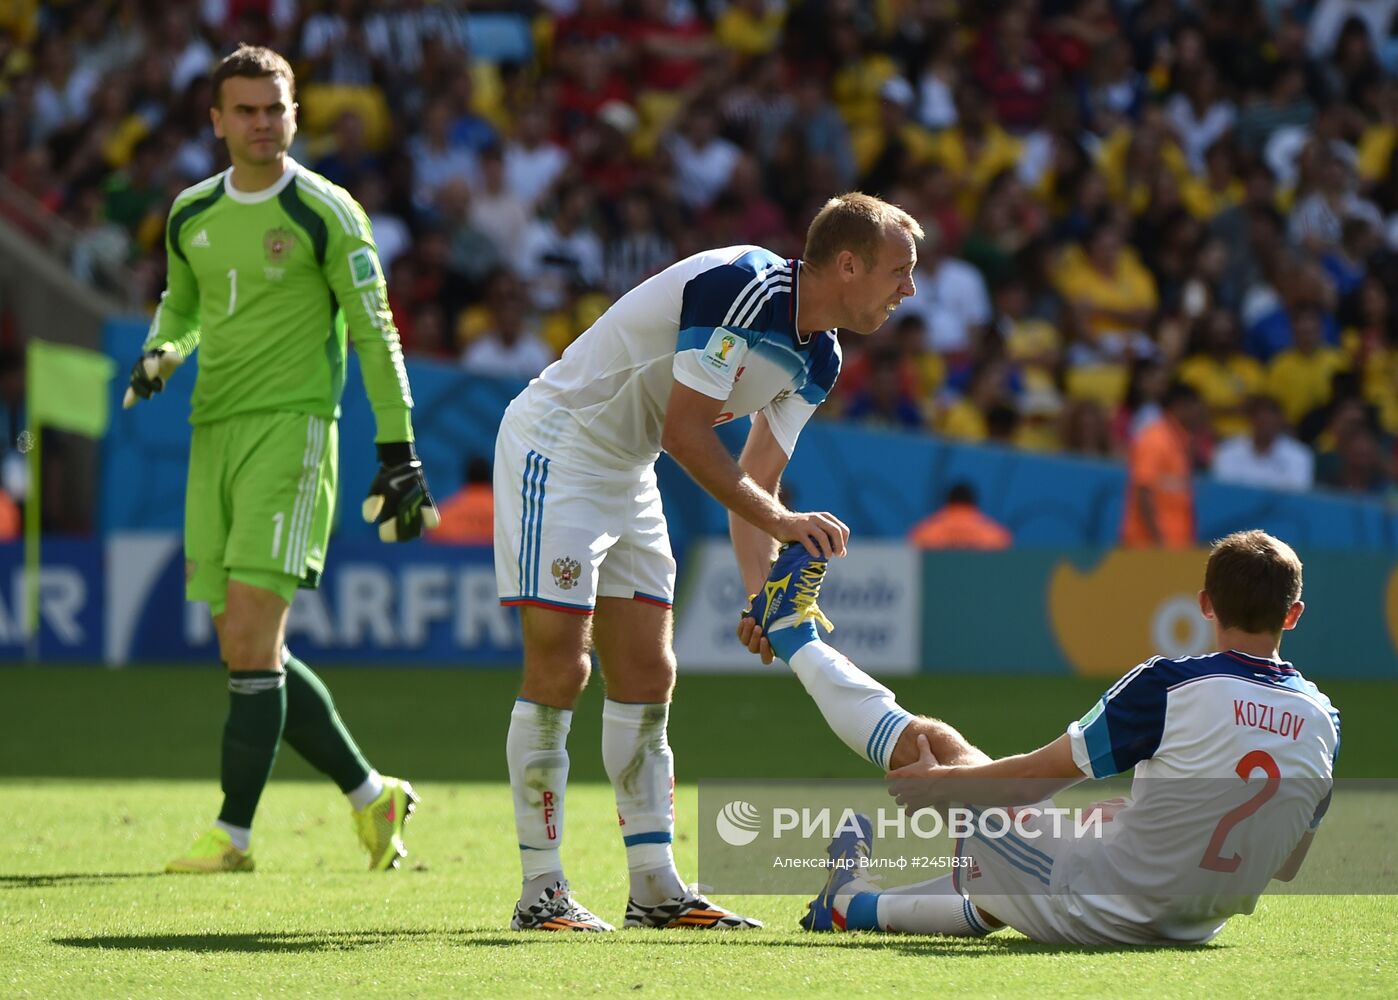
[
  {"x": 33, "y": 504},
  {"x": 66, "y": 388}
]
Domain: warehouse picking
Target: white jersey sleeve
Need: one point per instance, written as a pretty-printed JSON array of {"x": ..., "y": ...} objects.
[
  {"x": 710, "y": 368},
  {"x": 786, "y": 417},
  {"x": 718, "y": 321}
]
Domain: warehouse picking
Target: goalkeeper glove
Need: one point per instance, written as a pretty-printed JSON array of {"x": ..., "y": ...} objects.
[
  {"x": 150, "y": 373},
  {"x": 398, "y": 500}
]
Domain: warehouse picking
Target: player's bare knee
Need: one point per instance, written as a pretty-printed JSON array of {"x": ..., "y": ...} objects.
[
  {"x": 556, "y": 681},
  {"x": 253, "y": 627},
  {"x": 644, "y": 683},
  {"x": 557, "y": 656},
  {"x": 246, "y": 645}
]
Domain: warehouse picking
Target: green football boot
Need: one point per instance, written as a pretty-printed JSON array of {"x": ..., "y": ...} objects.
[
  {"x": 213, "y": 852},
  {"x": 380, "y": 824}
]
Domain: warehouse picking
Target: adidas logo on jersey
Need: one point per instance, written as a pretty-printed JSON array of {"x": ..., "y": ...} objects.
[{"x": 201, "y": 239}]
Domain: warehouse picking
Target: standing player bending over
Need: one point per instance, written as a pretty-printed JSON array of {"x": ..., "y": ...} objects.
[
  {"x": 1176, "y": 861},
  {"x": 580, "y": 537},
  {"x": 266, "y": 262}
]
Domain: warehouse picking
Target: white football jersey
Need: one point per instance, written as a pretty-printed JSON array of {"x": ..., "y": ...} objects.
[
  {"x": 1234, "y": 757},
  {"x": 722, "y": 322}
]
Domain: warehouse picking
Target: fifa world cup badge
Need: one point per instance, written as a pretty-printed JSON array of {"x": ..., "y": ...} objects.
[
  {"x": 566, "y": 573},
  {"x": 719, "y": 352}
]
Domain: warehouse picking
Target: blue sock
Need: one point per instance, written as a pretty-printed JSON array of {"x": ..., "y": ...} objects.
[
  {"x": 862, "y": 914},
  {"x": 786, "y": 641}
]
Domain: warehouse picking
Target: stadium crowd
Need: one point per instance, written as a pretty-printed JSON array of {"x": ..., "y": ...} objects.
[{"x": 1118, "y": 196}]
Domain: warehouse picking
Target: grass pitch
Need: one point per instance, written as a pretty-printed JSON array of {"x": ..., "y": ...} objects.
[{"x": 108, "y": 774}]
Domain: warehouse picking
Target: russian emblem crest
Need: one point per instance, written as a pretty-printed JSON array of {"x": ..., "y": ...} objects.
[
  {"x": 566, "y": 573},
  {"x": 278, "y": 244}
]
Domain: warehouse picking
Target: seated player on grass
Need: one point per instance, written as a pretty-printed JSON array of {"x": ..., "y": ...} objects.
[{"x": 1210, "y": 821}]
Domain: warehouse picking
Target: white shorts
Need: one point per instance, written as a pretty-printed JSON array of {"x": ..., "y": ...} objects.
[
  {"x": 1009, "y": 877},
  {"x": 564, "y": 537},
  {"x": 1013, "y": 878}
]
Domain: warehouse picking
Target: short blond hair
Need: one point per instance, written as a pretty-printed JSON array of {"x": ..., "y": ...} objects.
[{"x": 856, "y": 222}]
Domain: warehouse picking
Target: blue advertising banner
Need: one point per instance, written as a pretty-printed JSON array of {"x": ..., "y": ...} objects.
[
  {"x": 1090, "y": 612},
  {"x": 381, "y": 604},
  {"x": 70, "y": 602}
]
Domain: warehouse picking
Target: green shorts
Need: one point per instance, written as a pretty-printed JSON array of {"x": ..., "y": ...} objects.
[{"x": 259, "y": 503}]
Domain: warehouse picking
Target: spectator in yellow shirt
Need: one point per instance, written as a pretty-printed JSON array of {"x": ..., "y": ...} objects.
[
  {"x": 976, "y": 149},
  {"x": 966, "y": 418},
  {"x": 1372, "y": 353},
  {"x": 1131, "y": 156},
  {"x": 1219, "y": 189},
  {"x": 1031, "y": 343},
  {"x": 1299, "y": 377},
  {"x": 750, "y": 27},
  {"x": 1107, "y": 287},
  {"x": 855, "y": 87},
  {"x": 1223, "y": 376},
  {"x": 884, "y": 150}
]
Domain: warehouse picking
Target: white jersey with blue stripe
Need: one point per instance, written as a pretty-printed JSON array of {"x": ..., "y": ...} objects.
[
  {"x": 1233, "y": 758},
  {"x": 722, "y": 322}
]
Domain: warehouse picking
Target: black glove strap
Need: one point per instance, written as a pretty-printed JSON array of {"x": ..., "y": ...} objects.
[{"x": 396, "y": 453}]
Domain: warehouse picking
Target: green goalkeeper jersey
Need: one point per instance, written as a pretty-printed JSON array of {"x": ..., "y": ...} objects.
[{"x": 264, "y": 283}]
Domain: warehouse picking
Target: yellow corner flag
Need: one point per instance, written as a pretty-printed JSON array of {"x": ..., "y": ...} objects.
[{"x": 68, "y": 388}]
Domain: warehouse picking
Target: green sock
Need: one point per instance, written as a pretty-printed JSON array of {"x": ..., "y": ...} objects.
[
  {"x": 256, "y": 711},
  {"x": 315, "y": 731}
]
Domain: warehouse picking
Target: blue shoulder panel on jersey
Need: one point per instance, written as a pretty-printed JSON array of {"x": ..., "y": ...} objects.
[
  {"x": 1129, "y": 722},
  {"x": 724, "y": 294},
  {"x": 1126, "y": 726},
  {"x": 824, "y": 367}
]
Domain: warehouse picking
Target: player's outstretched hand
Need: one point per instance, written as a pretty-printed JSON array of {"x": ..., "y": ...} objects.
[
  {"x": 823, "y": 534},
  {"x": 398, "y": 500},
  {"x": 149, "y": 375}
]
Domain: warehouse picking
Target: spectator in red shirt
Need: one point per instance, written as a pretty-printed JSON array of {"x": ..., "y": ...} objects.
[
  {"x": 1017, "y": 78},
  {"x": 594, "y": 24},
  {"x": 671, "y": 49},
  {"x": 591, "y": 82}
]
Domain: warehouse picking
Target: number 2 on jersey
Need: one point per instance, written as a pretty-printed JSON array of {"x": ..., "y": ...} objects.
[
  {"x": 1254, "y": 760},
  {"x": 232, "y": 289}
]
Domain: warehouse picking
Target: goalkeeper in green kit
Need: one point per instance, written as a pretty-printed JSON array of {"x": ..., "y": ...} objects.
[{"x": 268, "y": 263}]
